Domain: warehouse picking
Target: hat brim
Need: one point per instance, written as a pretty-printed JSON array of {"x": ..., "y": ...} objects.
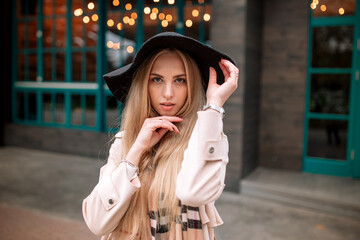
[{"x": 119, "y": 81}]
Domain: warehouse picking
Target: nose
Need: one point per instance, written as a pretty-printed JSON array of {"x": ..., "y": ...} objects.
[{"x": 168, "y": 91}]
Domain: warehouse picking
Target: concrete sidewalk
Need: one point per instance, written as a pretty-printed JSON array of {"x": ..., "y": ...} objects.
[{"x": 41, "y": 194}]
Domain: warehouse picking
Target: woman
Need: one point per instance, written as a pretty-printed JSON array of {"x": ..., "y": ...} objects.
[{"x": 166, "y": 166}]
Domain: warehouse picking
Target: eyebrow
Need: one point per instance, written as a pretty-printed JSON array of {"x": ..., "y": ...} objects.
[{"x": 158, "y": 75}]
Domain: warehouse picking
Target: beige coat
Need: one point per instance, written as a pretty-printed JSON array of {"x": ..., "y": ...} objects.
[{"x": 199, "y": 183}]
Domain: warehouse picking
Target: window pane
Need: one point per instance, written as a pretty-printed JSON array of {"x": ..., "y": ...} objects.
[
  {"x": 20, "y": 108},
  {"x": 48, "y": 7},
  {"x": 32, "y": 38},
  {"x": 32, "y": 107},
  {"x": 76, "y": 66},
  {"x": 60, "y": 7},
  {"x": 21, "y": 67},
  {"x": 32, "y": 67},
  {"x": 47, "y": 108},
  {"x": 330, "y": 8},
  {"x": 48, "y": 67},
  {"x": 48, "y": 33},
  {"x": 327, "y": 139},
  {"x": 90, "y": 111},
  {"x": 21, "y": 35},
  {"x": 76, "y": 110},
  {"x": 60, "y": 66},
  {"x": 332, "y": 47},
  {"x": 60, "y": 32},
  {"x": 330, "y": 93},
  {"x": 59, "y": 108},
  {"x": 27, "y": 8},
  {"x": 91, "y": 66}
]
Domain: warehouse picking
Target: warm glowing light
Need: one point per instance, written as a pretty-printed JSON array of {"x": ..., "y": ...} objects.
[
  {"x": 201, "y": 1},
  {"x": 169, "y": 18},
  {"x": 207, "y": 17},
  {"x": 156, "y": 0},
  {"x": 116, "y": 46},
  {"x": 171, "y": 2},
  {"x": 128, "y": 6},
  {"x": 95, "y": 17},
  {"x": 164, "y": 23},
  {"x": 341, "y": 11},
  {"x": 161, "y": 16},
  {"x": 134, "y": 15},
  {"x": 119, "y": 26},
  {"x": 195, "y": 13},
  {"x": 130, "y": 49},
  {"x": 78, "y": 12},
  {"x": 126, "y": 19},
  {"x": 323, "y": 8},
  {"x": 147, "y": 10},
  {"x": 153, "y": 16},
  {"x": 131, "y": 21},
  {"x": 110, "y": 22},
  {"x": 188, "y": 23},
  {"x": 116, "y": 3},
  {"x": 313, "y": 5},
  {"x": 155, "y": 10},
  {"x": 109, "y": 44},
  {"x": 316, "y": 2},
  {"x": 86, "y": 19},
  {"x": 91, "y": 6}
]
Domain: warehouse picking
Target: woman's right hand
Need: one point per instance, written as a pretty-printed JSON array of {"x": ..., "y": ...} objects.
[{"x": 152, "y": 130}]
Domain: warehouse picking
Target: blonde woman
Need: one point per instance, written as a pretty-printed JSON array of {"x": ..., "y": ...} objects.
[{"x": 166, "y": 166}]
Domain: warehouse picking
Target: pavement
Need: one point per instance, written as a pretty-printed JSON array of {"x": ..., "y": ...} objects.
[{"x": 41, "y": 195}]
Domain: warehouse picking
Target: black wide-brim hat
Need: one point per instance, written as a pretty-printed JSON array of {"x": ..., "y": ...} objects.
[{"x": 119, "y": 81}]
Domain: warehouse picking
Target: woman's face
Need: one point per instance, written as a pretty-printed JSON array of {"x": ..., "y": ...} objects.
[{"x": 167, "y": 84}]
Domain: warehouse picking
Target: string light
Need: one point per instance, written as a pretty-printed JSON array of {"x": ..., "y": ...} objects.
[
  {"x": 126, "y": 19},
  {"x": 91, "y": 5},
  {"x": 195, "y": 13},
  {"x": 171, "y": 2},
  {"x": 164, "y": 23},
  {"x": 323, "y": 8},
  {"x": 207, "y": 17},
  {"x": 156, "y": 0},
  {"x": 128, "y": 6},
  {"x": 147, "y": 10},
  {"x": 169, "y": 18},
  {"x": 134, "y": 15},
  {"x": 188, "y": 23},
  {"x": 95, "y": 17},
  {"x": 313, "y": 5},
  {"x": 110, "y": 22},
  {"x": 155, "y": 10},
  {"x": 161, "y": 16},
  {"x": 78, "y": 12},
  {"x": 86, "y": 19},
  {"x": 130, "y": 49},
  {"x": 109, "y": 44},
  {"x": 116, "y": 3},
  {"x": 153, "y": 16},
  {"x": 119, "y": 26},
  {"x": 131, "y": 21},
  {"x": 316, "y": 2},
  {"x": 341, "y": 11}
]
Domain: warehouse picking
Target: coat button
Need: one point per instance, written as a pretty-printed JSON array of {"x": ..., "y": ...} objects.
[
  {"x": 111, "y": 201},
  {"x": 211, "y": 150}
]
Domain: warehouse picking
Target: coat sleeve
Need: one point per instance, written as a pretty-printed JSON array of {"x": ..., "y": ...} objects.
[
  {"x": 109, "y": 200},
  {"x": 202, "y": 174}
]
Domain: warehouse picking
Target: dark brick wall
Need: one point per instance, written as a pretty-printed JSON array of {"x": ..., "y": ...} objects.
[
  {"x": 283, "y": 84},
  {"x": 85, "y": 143},
  {"x": 253, "y": 55}
]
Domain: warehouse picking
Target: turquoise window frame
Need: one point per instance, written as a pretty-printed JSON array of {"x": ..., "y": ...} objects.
[
  {"x": 68, "y": 88},
  {"x": 351, "y": 166}
]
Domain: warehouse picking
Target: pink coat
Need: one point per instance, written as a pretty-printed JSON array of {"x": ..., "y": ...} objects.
[{"x": 199, "y": 183}]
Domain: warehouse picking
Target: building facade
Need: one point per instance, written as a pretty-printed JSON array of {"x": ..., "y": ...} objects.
[{"x": 296, "y": 108}]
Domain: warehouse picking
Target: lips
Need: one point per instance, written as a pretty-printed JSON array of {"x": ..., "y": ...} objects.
[{"x": 167, "y": 106}]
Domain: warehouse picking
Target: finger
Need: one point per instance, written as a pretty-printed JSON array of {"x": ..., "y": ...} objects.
[
  {"x": 212, "y": 76},
  {"x": 224, "y": 70},
  {"x": 162, "y": 132},
  {"x": 170, "y": 118},
  {"x": 234, "y": 72},
  {"x": 166, "y": 124}
]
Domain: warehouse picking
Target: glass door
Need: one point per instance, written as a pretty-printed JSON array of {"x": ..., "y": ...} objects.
[{"x": 331, "y": 117}]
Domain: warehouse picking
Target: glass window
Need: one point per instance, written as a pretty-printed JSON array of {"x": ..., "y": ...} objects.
[
  {"x": 330, "y": 93},
  {"x": 327, "y": 139},
  {"x": 332, "y": 47}
]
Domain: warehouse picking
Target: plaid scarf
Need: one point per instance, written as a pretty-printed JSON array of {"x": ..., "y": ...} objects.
[{"x": 186, "y": 226}]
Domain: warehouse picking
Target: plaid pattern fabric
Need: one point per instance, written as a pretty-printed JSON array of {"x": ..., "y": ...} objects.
[{"x": 186, "y": 226}]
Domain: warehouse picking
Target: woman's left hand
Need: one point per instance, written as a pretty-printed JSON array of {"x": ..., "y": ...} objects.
[{"x": 218, "y": 94}]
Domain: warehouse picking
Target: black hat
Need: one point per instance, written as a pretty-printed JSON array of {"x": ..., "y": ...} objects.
[{"x": 119, "y": 81}]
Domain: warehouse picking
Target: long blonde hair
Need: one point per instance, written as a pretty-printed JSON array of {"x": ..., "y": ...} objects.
[{"x": 160, "y": 165}]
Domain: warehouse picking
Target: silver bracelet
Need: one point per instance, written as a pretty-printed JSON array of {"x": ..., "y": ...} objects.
[
  {"x": 214, "y": 107},
  {"x": 131, "y": 165}
]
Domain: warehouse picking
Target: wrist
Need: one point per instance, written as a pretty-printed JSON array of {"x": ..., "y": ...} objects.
[{"x": 213, "y": 107}]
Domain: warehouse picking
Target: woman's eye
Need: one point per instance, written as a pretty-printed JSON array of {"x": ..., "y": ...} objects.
[
  {"x": 157, "y": 80},
  {"x": 180, "y": 80}
]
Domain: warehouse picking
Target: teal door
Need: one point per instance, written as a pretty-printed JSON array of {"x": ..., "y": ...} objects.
[{"x": 332, "y": 114}]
